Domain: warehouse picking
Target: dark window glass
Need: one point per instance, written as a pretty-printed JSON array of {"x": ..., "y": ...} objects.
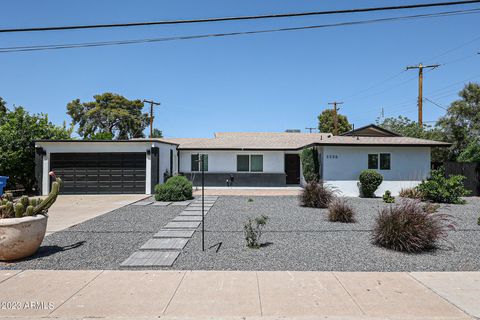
[
  {"x": 256, "y": 163},
  {"x": 195, "y": 163},
  {"x": 373, "y": 161},
  {"x": 243, "y": 163},
  {"x": 384, "y": 161}
]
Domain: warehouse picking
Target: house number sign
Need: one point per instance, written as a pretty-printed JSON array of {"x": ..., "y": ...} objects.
[{"x": 332, "y": 156}]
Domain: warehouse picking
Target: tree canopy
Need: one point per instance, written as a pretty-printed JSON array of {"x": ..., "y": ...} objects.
[
  {"x": 326, "y": 122},
  {"x": 18, "y": 131},
  {"x": 461, "y": 124},
  {"x": 109, "y": 113},
  {"x": 157, "y": 133}
]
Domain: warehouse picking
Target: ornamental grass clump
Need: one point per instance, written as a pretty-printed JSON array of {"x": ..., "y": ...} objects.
[
  {"x": 411, "y": 193},
  {"x": 407, "y": 227},
  {"x": 340, "y": 211},
  {"x": 370, "y": 180},
  {"x": 253, "y": 231},
  {"x": 316, "y": 195},
  {"x": 177, "y": 188}
]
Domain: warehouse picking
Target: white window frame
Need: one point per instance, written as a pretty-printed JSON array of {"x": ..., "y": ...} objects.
[
  {"x": 379, "y": 160},
  {"x": 249, "y": 162}
]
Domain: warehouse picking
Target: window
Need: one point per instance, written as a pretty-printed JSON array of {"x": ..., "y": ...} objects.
[
  {"x": 250, "y": 163},
  {"x": 196, "y": 162},
  {"x": 384, "y": 161},
  {"x": 373, "y": 161},
  {"x": 256, "y": 163},
  {"x": 243, "y": 163}
]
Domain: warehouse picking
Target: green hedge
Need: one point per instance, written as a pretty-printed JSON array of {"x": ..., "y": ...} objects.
[
  {"x": 177, "y": 188},
  {"x": 370, "y": 180},
  {"x": 310, "y": 166}
]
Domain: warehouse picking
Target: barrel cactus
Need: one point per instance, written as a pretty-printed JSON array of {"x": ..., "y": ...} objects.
[{"x": 26, "y": 206}]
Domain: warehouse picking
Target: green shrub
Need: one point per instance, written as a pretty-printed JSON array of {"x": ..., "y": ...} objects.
[
  {"x": 340, "y": 211},
  {"x": 408, "y": 227},
  {"x": 370, "y": 180},
  {"x": 177, "y": 188},
  {"x": 253, "y": 231},
  {"x": 387, "y": 197},
  {"x": 439, "y": 189},
  {"x": 316, "y": 195},
  {"x": 411, "y": 193},
  {"x": 310, "y": 165}
]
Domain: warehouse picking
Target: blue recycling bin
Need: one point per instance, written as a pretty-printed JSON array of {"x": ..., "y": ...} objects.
[{"x": 3, "y": 183}]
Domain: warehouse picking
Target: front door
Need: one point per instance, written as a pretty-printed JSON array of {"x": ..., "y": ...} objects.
[{"x": 292, "y": 168}]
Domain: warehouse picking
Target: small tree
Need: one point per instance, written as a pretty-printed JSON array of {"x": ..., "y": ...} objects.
[
  {"x": 326, "y": 122},
  {"x": 310, "y": 165},
  {"x": 18, "y": 132},
  {"x": 111, "y": 113}
]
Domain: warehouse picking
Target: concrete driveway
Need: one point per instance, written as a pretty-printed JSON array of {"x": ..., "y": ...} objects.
[{"x": 70, "y": 210}]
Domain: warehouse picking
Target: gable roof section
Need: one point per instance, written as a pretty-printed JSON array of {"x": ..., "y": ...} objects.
[{"x": 371, "y": 130}]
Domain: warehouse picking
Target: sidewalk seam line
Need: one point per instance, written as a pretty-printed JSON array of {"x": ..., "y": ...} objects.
[
  {"x": 259, "y": 296},
  {"x": 174, "y": 293},
  {"x": 75, "y": 293},
  {"x": 351, "y": 297},
  {"x": 12, "y": 276},
  {"x": 439, "y": 295}
]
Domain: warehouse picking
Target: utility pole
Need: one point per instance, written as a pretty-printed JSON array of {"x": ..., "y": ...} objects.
[
  {"x": 152, "y": 103},
  {"x": 335, "y": 116},
  {"x": 420, "y": 68},
  {"x": 310, "y": 129}
]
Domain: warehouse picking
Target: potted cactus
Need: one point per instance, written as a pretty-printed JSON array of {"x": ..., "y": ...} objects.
[{"x": 23, "y": 223}]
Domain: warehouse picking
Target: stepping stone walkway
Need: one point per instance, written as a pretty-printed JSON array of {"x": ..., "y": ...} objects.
[{"x": 164, "y": 248}]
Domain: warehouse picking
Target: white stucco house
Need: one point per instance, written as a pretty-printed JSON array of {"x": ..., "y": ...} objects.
[{"x": 241, "y": 159}]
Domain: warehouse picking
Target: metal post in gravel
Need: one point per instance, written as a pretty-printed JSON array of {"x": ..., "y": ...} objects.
[{"x": 203, "y": 201}]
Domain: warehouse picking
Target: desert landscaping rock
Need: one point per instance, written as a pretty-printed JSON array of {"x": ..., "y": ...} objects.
[{"x": 295, "y": 238}]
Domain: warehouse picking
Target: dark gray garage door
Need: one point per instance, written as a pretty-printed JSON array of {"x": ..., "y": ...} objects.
[{"x": 100, "y": 173}]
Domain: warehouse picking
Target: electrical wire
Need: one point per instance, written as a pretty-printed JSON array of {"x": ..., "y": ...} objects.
[
  {"x": 257, "y": 17},
  {"x": 239, "y": 33}
]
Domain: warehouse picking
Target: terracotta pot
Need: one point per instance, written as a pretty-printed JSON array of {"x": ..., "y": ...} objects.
[{"x": 21, "y": 237}]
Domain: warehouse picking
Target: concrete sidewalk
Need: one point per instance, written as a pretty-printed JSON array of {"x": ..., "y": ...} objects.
[{"x": 240, "y": 295}]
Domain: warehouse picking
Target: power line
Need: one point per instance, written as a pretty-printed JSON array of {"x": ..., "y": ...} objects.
[
  {"x": 257, "y": 17},
  {"x": 435, "y": 103},
  {"x": 213, "y": 35}
]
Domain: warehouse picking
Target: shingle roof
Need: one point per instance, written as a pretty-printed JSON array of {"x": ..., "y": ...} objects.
[{"x": 290, "y": 141}]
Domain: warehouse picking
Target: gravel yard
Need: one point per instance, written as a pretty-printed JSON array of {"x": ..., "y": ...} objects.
[
  {"x": 100, "y": 243},
  {"x": 303, "y": 239},
  {"x": 296, "y": 238}
]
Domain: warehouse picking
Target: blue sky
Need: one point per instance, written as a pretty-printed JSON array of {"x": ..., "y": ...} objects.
[{"x": 267, "y": 82}]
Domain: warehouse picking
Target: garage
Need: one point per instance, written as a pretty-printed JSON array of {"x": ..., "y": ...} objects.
[
  {"x": 100, "y": 173},
  {"x": 133, "y": 166}
]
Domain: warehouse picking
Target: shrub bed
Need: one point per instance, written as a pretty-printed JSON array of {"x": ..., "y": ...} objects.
[
  {"x": 440, "y": 189},
  {"x": 316, "y": 195},
  {"x": 177, "y": 188},
  {"x": 408, "y": 227}
]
